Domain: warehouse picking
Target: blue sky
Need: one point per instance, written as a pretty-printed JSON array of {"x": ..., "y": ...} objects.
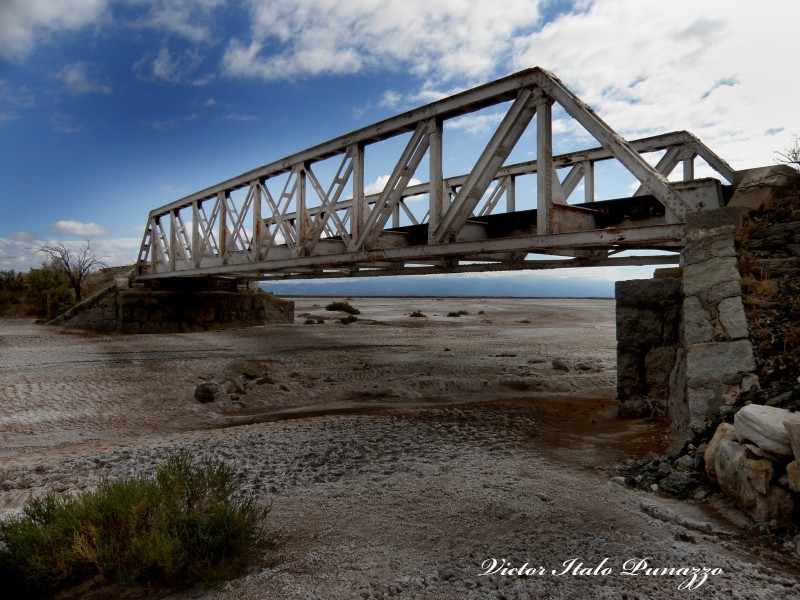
[{"x": 109, "y": 108}]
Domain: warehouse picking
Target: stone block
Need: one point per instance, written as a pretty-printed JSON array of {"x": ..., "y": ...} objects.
[
  {"x": 638, "y": 328},
  {"x": 731, "y": 316},
  {"x": 756, "y": 185},
  {"x": 764, "y": 426},
  {"x": 719, "y": 362},
  {"x": 696, "y": 322},
  {"x": 658, "y": 365},
  {"x": 734, "y": 471},
  {"x": 724, "y": 432},
  {"x": 703, "y": 276},
  {"x": 703, "y": 406}
]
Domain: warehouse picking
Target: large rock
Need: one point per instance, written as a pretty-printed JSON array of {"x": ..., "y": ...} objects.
[
  {"x": 741, "y": 477},
  {"x": 205, "y": 392},
  {"x": 724, "y": 432},
  {"x": 792, "y": 427},
  {"x": 764, "y": 426},
  {"x": 793, "y": 474}
]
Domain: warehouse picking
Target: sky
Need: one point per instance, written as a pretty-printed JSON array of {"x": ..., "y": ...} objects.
[{"x": 110, "y": 108}]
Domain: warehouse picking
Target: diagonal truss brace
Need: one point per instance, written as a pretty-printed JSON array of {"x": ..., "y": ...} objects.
[{"x": 491, "y": 159}]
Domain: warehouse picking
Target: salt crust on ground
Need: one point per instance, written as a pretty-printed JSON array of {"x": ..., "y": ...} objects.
[{"x": 398, "y": 453}]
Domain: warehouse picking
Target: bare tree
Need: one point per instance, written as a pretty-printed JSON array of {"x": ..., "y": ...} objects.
[
  {"x": 790, "y": 156},
  {"x": 75, "y": 264}
]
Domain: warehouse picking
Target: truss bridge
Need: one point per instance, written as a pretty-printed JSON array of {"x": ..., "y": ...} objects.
[{"x": 311, "y": 215}]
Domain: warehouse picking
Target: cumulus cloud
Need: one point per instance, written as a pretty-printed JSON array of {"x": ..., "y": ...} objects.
[
  {"x": 23, "y": 21},
  {"x": 431, "y": 38},
  {"x": 79, "y": 81},
  {"x": 695, "y": 66},
  {"x": 77, "y": 229}
]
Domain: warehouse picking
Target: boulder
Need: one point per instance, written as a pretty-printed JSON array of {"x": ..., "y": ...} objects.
[
  {"x": 793, "y": 474},
  {"x": 739, "y": 476},
  {"x": 764, "y": 426},
  {"x": 725, "y": 431},
  {"x": 792, "y": 427},
  {"x": 206, "y": 391},
  {"x": 561, "y": 365}
]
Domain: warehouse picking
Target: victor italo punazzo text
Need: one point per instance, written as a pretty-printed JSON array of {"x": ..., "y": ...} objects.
[{"x": 690, "y": 577}]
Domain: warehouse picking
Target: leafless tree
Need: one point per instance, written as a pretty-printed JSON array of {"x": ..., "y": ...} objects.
[
  {"x": 75, "y": 264},
  {"x": 791, "y": 155}
]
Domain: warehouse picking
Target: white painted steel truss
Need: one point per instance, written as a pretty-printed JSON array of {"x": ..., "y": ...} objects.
[{"x": 282, "y": 221}]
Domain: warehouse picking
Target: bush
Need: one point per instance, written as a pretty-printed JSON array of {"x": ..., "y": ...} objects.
[
  {"x": 344, "y": 307},
  {"x": 457, "y": 314},
  {"x": 417, "y": 313},
  {"x": 348, "y": 319},
  {"x": 191, "y": 522},
  {"x": 59, "y": 301}
]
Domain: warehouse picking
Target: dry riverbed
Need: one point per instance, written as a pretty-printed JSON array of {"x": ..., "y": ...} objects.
[{"x": 400, "y": 454}]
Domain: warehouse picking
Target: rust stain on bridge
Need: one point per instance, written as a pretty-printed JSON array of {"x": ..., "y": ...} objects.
[{"x": 280, "y": 221}]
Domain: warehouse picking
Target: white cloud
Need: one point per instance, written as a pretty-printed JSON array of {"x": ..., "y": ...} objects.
[
  {"x": 22, "y": 254},
  {"x": 77, "y": 229},
  {"x": 23, "y": 21},
  {"x": 22, "y": 236},
  {"x": 433, "y": 39},
  {"x": 239, "y": 117},
  {"x": 476, "y": 123},
  {"x": 171, "y": 67},
  {"x": 721, "y": 73},
  {"x": 78, "y": 80},
  {"x": 189, "y": 19},
  {"x": 376, "y": 187}
]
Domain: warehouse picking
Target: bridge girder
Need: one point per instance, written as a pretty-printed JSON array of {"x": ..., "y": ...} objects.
[{"x": 244, "y": 227}]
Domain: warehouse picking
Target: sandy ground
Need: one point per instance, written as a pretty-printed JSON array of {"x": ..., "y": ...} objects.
[{"x": 400, "y": 455}]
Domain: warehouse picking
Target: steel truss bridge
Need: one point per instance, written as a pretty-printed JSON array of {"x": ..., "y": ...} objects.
[{"x": 286, "y": 220}]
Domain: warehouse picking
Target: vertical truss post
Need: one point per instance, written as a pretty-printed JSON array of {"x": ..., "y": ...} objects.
[
  {"x": 688, "y": 169},
  {"x": 173, "y": 240},
  {"x": 258, "y": 222},
  {"x": 359, "y": 213},
  {"x": 511, "y": 194},
  {"x": 436, "y": 195},
  {"x": 301, "y": 223},
  {"x": 196, "y": 234},
  {"x": 588, "y": 181},
  {"x": 222, "y": 204},
  {"x": 545, "y": 169}
]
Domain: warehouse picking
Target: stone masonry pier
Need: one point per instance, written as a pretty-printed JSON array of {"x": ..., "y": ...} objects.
[{"x": 177, "y": 306}]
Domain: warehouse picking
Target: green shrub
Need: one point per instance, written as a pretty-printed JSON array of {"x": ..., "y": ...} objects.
[
  {"x": 59, "y": 301},
  {"x": 458, "y": 313},
  {"x": 189, "y": 523},
  {"x": 348, "y": 319},
  {"x": 417, "y": 313},
  {"x": 344, "y": 307}
]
